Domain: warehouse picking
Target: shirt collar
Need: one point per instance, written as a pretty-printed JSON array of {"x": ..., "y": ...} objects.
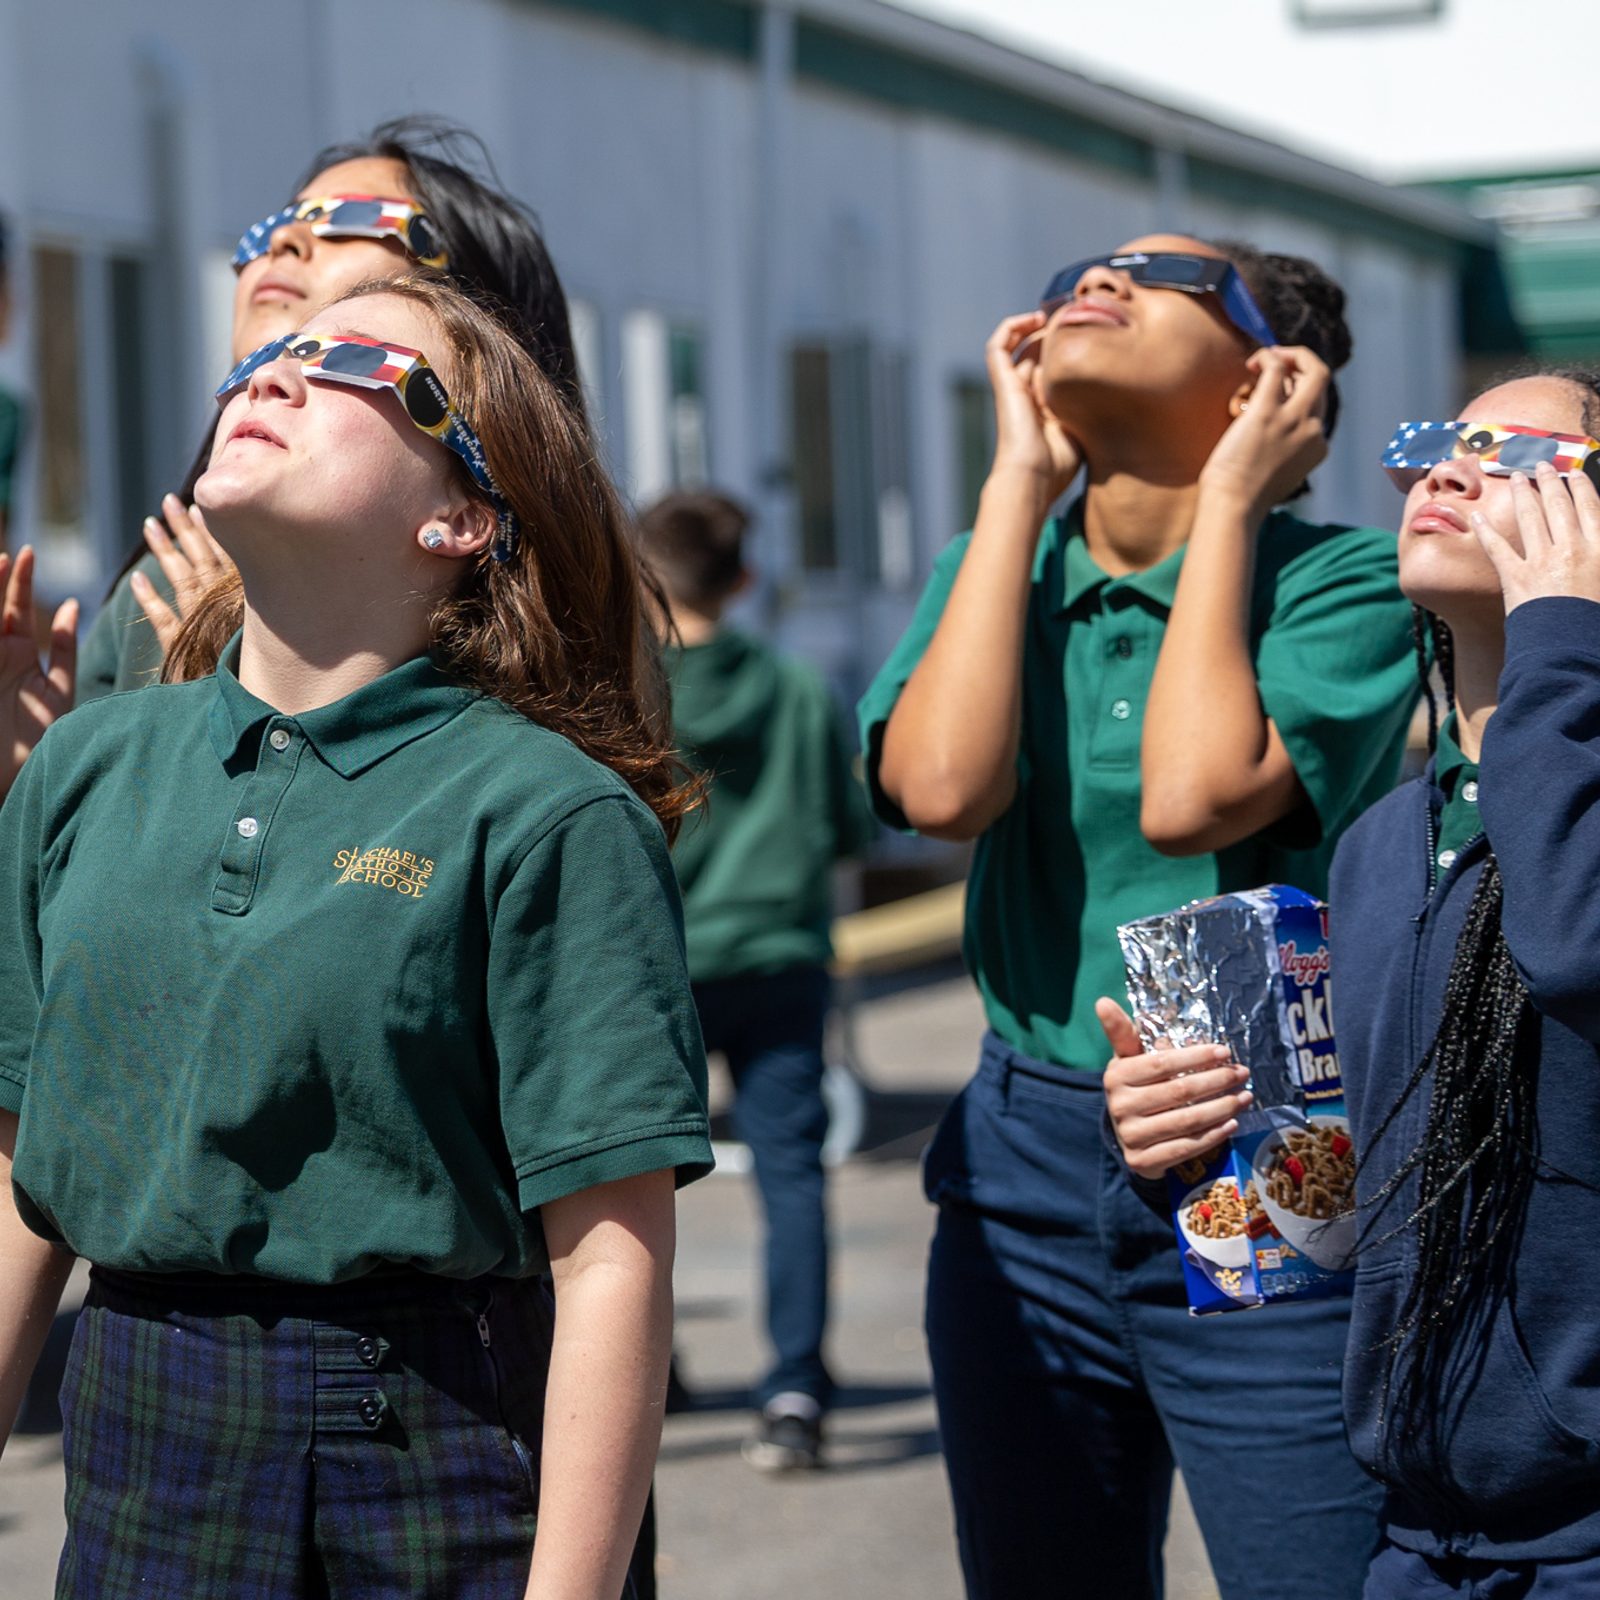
[
  {"x": 352, "y": 734},
  {"x": 1451, "y": 768},
  {"x": 1081, "y": 573}
]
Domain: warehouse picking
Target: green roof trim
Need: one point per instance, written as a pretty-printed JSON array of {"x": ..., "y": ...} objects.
[
  {"x": 723, "y": 27},
  {"x": 861, "y": 66}
]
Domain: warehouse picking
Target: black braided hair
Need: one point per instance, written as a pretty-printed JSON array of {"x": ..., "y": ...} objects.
[
  {"x": 1302, "y": 304},
  {"x": 1478, "y": 1156}
]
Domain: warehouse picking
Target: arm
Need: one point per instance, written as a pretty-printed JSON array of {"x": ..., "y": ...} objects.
[
  {"x": 1214, "y": 768},
  {"x": 950, "y": 746},
  {"x": 611, "y": 1250},
  {"x": 33, "y": 1274},
  {"x": 1539, "y": 779}
]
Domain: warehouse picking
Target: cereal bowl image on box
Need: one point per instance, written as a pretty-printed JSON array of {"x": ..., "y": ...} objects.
[
  {"x": 1212, "y": 1220},
  {"x": 1305, "y": 1178}
]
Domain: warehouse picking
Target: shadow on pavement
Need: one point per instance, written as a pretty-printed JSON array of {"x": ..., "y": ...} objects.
[
  {"x": 850, "y": 1397},
  {"x": 842, "y": 1452}
]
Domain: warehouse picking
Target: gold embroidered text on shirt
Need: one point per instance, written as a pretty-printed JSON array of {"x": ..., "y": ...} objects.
[{"x": 401, "y": 870}]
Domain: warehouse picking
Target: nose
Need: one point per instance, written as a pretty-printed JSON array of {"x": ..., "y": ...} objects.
[
  {"x": 1462, "y": 475},
  {"x": 279, "y": 379},
  {"x": 1104, "y": 280},
  {"x": 292, "y": 239}
]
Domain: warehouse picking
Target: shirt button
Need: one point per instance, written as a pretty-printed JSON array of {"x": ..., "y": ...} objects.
[
  {"x": 1123, "y": 648},
  {"x": 1121, "y": 710},
  {"x": 249, "y": 827},
  {"x": 371, "y": 1408},
  {"x": 279, "y": 739},
  {"x": 367, "y": 1349},
  {"x": 1447, "y": 859},
  {"x": 1469, "y": 792}
]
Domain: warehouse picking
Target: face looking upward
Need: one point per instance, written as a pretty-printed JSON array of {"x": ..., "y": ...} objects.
[
  {"x": 1152, "y": 346},
  {"x": 1442, "y": 565},
  {"x": 340, "y": 475},
  {"x": 277, "y": 292}
]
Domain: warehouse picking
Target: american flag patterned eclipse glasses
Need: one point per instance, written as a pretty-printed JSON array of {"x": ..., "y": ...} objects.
[
  {"x": 1501, "y": 448},
  {"x": 349, "y": 216},
  {"x": 369, "y": 364}
]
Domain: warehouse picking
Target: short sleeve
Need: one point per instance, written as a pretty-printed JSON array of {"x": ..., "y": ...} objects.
[
  {"x": 122, "y": 650},
  {"x": 21, "y": 961},
  {"x": 854, "y": 826},
  {"x": 1337, "y": 672},
  {"x": 878, "y": 703},
  {"x": 602, "y": 1072}
]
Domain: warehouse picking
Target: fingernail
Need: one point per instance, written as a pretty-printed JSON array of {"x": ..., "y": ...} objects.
[
  {"x": 1244, "y": 1097},
  {"x": 138, "y": 581}
]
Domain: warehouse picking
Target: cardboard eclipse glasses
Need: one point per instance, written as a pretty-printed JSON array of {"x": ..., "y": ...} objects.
[
  {"x": 369, "y": 364},
  {"x": 1171, "y": 270},
  {"x": 1501, "y": 448},
  {"x": 349, "y": 216}
]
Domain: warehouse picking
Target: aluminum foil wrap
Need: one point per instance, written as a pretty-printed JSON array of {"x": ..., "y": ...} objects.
[{"x": 1209, "y": 973}]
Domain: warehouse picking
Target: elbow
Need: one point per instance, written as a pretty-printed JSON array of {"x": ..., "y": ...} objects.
[
  {"x": 1176, "y": 827},
  {"x": 944, "y": 808}
]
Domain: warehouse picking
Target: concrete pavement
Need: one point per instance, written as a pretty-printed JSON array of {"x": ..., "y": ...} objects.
[{"x": 876, "y": 1525}]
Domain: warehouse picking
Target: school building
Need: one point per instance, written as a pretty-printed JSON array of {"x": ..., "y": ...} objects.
[{"x": 787, "y": 227}]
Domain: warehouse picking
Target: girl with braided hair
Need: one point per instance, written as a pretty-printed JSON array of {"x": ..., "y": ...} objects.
[
  {"x": 1175, "y": 688},
  {"x": 1468, "y": 950}
]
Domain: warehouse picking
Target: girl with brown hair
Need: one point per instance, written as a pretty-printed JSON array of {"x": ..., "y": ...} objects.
[{"x": 352, "y": 999}]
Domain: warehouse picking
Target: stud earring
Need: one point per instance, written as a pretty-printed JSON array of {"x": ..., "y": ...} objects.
[{"x": 433, "y": 539}]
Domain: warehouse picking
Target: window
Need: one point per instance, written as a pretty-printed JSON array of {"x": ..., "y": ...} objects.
[
  {"x": 974, "y": 417},
  {"x": 57, "y": 358},
  {"x": 663, "y": 382},
  {"x": 852, "y": 460}
]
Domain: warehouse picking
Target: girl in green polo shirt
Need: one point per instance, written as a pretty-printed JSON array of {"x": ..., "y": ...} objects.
[
  {"x": 346, "y": 996},
  {"x": 1172, "y": 690}
]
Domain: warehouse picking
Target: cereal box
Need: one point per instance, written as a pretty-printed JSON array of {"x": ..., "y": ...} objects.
[{"x": 1269, "y": 1215}]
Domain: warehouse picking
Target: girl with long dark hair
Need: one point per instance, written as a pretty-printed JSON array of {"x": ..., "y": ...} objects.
[
  {"x": 1464, "y": 939},
  {"x": 1176, "y": 688},
  {"x": 346, "y": 998},
  {"x": 408, "y": 193}
]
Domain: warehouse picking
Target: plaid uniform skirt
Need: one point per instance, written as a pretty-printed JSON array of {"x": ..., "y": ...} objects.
[{"x": 228, "y": 1437}]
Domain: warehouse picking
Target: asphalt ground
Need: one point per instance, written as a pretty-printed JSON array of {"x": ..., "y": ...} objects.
[{"x": 875, "y": 1524}]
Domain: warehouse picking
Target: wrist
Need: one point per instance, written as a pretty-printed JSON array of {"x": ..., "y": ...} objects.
[
  {"x": 1037, "y": 488},
  {"x": 1230, "y": 502}
]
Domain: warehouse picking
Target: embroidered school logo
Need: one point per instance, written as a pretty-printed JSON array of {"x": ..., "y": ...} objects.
[{"x": 401, "y": 870}]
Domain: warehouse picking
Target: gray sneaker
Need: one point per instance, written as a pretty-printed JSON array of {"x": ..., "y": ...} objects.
[{"x": 787, "y": 1435}]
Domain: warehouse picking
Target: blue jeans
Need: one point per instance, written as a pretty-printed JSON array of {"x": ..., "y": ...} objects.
[
  {"x": 1069, "y": 1374},
  {"x": 1403, "y": 1575},
  {"x": 770, "y": 1029}
]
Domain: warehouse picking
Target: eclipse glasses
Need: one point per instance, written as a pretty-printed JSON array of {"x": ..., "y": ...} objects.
[
  {"x": 1501, "y": 448},
  {"x": 1171, "y": 270},
  {"x": 349, "y": 216}
]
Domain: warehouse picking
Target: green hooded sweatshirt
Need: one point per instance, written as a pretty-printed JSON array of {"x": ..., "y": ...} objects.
[{"x": 756, "y": 863}]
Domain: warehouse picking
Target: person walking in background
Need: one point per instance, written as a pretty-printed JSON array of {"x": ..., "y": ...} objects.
[
  {"x": 1172, "y": 690},
  {"x": 756, "y": 870}
]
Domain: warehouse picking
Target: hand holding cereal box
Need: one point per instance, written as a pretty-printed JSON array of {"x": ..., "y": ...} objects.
[{"x": 1269, "y": 1215}]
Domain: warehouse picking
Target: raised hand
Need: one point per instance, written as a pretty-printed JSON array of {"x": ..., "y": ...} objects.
[
  {"x": 1027, "y": 435},
  {"x": 1559, "y": 523},
  {"x": 32, "y": 695},
  {"x": 191, "y": 559},
  {"x": 1278, "y": 437}
]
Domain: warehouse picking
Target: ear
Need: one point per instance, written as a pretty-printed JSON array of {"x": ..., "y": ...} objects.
[
  {"x": 1239, "y": 400},
  {"x": 458, "y": 531}
]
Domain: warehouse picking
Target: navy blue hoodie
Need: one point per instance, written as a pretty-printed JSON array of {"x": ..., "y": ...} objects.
[{"x": 1519, "y": 1427}]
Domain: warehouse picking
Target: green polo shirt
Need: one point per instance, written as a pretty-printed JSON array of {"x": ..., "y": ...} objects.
[
  {"x": 756, "y": 862},
  {"x": 1051, "y": 880},
  {"x": 306, "y": 995},
  {"x": 1457, "y": 779},
  {"x": 121, "y": 650},
  {"x": 10, "y": 446}
]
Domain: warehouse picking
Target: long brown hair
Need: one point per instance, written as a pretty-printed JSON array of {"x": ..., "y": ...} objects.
[{"x": 558, "y": 632}]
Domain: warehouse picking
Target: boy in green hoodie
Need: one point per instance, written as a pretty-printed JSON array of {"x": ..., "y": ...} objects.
[{"x": 755, "y": 866}]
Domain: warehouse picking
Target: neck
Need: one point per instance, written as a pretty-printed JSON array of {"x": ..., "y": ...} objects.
[
  {"x": 694, "y": 626},
  {"x": 1480, "y": 651},
  {"x": 1143, "y": 487},
  {"x": 309, "y": 641}
]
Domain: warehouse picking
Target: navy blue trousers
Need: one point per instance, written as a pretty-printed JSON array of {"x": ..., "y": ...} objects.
[
  {"x": 1070, "y": 1376},
  {"x": 770, "y": 1029}
]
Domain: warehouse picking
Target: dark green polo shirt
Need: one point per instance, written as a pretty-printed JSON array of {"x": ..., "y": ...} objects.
[
  {"x": 121, "y": 650},
  {"x": 756, "y": 862},
  {"x": 304, "y": 995},
  {"x": 1457, "y": 779},
  {"x": 10, "y": 446},
  {"x": 1052, "y": 879}
]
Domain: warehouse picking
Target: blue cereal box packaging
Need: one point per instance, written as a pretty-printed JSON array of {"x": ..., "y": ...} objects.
[{"x": 1269, "y": 1215}]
